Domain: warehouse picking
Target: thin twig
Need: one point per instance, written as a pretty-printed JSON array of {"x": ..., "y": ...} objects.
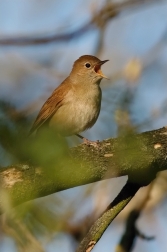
[
  {"x": 100, "y": 19},
  {"x": 98, "y": 228}
]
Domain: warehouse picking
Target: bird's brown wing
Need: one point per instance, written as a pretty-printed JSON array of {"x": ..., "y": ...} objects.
[{"x": 53, "y": 103}]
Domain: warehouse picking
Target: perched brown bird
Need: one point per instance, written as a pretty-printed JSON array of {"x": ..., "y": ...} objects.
[{"x": 74, "y": 106}]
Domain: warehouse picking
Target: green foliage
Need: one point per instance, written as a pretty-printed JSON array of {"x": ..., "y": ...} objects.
[{"x": 44, "y": 148}]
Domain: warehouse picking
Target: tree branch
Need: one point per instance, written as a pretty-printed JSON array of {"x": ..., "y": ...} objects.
[
  {"x": 139, "y": 156},
  {"x": 99, "y": 19},
  {"x": 98, "y": 228}
]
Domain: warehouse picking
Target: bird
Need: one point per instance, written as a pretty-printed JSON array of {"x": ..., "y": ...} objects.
[{"x": 75, "y": 104}]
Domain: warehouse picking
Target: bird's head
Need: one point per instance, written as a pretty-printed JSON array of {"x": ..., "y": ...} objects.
[{"x": 88, "y": 67}]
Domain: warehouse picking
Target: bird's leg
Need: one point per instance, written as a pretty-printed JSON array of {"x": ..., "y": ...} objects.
[{"x": 87, "y": 141}]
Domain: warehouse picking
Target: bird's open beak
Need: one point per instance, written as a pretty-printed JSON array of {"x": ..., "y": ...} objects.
[{"x": 97, "y": 68}]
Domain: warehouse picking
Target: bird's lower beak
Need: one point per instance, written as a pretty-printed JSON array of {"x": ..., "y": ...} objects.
[{"x": 97, "y": 68}]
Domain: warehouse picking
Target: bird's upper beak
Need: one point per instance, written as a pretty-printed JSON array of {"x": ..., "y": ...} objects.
[{"x": 97, "y": 68}]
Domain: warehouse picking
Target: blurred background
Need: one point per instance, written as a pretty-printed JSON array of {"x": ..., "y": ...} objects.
[{"x": 39, "y": 41}]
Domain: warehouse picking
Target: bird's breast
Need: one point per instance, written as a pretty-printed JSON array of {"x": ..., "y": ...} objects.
[{"x": 79, "y": 111}]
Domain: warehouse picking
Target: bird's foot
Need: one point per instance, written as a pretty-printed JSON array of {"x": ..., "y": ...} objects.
[{"x": 89, "y": 142}]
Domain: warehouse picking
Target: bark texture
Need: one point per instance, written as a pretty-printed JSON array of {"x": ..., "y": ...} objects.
[{"x": 139, "y": 156}]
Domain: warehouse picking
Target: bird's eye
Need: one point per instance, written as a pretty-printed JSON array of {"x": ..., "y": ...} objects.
[{"x": 87, "y": 65}]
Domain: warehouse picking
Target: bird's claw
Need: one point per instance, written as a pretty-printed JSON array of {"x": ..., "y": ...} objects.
[{"x": 89, "y": 142}]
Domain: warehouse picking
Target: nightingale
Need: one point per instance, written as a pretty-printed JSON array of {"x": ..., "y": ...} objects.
[{"x": 74, "y": 105}]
